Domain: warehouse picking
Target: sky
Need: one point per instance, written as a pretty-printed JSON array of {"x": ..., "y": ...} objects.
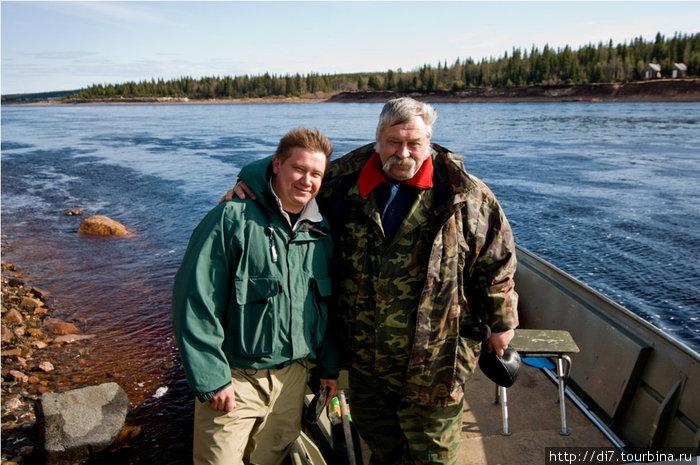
[{"x": 61, "y": 45}]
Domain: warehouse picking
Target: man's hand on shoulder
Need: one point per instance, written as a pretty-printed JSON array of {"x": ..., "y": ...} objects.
[{"x": 240, "y": 190}]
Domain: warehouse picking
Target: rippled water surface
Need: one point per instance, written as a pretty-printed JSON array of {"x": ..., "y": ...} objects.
[{"x": 607, "y": 192}]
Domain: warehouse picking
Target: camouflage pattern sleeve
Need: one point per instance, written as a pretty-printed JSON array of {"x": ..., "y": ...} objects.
[{"x": 491, "y": 286}]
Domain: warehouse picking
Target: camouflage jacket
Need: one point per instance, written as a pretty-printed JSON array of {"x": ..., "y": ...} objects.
[{"x": 451, "y": 258}]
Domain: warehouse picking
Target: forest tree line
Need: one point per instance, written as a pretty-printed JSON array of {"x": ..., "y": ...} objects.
[{"x": 601, "y": 63}]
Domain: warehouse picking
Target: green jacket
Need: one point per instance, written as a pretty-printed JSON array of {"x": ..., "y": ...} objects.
[
  {"x": 235, "y": 305},
  {"x": 399, "y": 302}
]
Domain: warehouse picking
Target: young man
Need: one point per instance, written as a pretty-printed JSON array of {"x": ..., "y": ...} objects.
[{"x": 250, "y": 310}]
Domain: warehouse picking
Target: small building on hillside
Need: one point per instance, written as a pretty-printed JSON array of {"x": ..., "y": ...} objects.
[
  {"x": 651, "y": 71},
  {"x": 679, "y": 71}
]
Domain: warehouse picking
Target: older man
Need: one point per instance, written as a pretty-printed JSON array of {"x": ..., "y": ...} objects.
[
  {"x": 422, "y": 249},
  {"x": 250, "y": 310}
]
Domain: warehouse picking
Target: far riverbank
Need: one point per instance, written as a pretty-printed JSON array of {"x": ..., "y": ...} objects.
[
  {"x": 662, "y": 90},
  {"x": 667, "y": 90}
]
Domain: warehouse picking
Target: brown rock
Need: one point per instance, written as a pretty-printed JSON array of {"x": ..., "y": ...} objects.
[
  {"x": 128, "y": 433},
  {"x": 46, "y": 366},
  {"x": 6, "y": 336},
  {"x": 39, "y": 344},
  {"x": 39, "y": 293},
  {"x": 35, "y": 332},
  {"x": 12, "y": 317},
  {"x": 15, "y": 282},
  {"x": 13, "y": 403},
  {"x": 34, "y": 379},
  {"x": 12, "y": 352},
  {"x": 18, "y": 376},
  {"x": 61, "y": 327},
  {"x": 73, "y": 211},
  {"x": 68, "y": 338},
  {"x": 30, "y": 303},
  {"x": 102, "y": 226}
]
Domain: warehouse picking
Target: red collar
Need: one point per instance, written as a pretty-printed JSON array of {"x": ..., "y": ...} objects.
[{"x": 372, "y": 175}]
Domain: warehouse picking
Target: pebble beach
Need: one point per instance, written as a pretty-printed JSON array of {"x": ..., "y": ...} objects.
[{"x": 35, "y": 347}]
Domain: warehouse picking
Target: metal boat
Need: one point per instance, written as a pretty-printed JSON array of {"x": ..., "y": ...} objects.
[
  {"x": 636, "y": 383},
  {"x": 631, "y": 386}
]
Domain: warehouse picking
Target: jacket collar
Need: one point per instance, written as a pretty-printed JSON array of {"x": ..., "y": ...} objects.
[
  {"x": 309, "y": 213},
  {"x": 372, "y": 175}
]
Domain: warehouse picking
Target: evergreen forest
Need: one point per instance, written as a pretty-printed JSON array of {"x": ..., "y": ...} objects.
[{"x": 601, "y": 63}]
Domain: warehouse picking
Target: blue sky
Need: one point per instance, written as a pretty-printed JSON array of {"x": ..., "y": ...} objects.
[{"x": 61, "y": 45}]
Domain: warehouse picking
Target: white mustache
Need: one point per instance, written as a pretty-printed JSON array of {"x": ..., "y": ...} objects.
[{"x": 395, "y": 161}]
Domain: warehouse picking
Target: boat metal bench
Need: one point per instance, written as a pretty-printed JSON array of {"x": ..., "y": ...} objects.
[{"x": 548, "y": 343}]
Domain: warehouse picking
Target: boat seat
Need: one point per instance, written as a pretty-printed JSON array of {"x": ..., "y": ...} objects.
[{"x": 552, "y": 344}]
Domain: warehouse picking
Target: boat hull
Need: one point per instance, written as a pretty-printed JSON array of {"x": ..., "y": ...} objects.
[{"x": 638, "y": 380}]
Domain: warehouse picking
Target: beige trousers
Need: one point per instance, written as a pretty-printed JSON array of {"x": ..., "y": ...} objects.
[{"x": 266, "y": 420}]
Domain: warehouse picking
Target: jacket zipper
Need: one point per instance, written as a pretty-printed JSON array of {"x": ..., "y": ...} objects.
[{"x": 291, "y": 301}]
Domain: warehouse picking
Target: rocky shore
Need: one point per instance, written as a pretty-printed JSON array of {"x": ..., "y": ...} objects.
[{"x": 34, "y": 347}]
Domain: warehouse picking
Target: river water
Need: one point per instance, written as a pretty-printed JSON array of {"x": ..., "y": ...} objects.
[{"x": 609, "y": 192}]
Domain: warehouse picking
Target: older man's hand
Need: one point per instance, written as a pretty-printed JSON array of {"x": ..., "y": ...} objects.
[
  {"x": 240, "y": 190},
  {"x": 499, "y": 341}
]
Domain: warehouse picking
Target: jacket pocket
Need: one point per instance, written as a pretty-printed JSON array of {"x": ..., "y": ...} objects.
[
  {"x": 254, "y": 321},
  {"x": 467, "y": 357},
  {"x": 321, "y": 293}
]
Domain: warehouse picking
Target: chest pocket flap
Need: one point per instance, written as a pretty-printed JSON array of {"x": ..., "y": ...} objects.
[
  {"x": 256, "y": 290},
  {"x": 255, "y": 325}
]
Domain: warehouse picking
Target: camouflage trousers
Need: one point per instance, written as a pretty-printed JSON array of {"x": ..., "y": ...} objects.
[{"x": 403, "y": 434}]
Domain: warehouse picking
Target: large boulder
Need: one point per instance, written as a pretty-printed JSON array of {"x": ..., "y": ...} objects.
[
  {"x": 75, "y": 424},
  {"x": 102, "y": 226}
]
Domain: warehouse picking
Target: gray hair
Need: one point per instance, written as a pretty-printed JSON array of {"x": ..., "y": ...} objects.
[{"x": 403, "y": 109}]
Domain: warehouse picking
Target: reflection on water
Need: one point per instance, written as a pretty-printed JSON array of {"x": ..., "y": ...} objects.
[{"x": 126, "y": 304}]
